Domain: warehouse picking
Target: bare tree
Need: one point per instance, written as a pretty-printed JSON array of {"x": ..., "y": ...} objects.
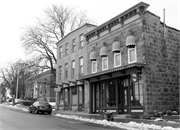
[
  {"x": 41, "y": 39},
  {"x": 10, "y": 74}
]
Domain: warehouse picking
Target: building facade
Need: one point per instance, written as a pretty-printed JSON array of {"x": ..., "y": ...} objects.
[
  {"x": 71, "y": 63},
  {"x": 133, "y": 64},
  {"x": 130, "y": 66},
  {"x": 41, "y": 85}
]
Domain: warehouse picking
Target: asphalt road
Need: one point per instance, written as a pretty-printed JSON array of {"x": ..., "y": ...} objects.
[{"x": 11, "y": 119}]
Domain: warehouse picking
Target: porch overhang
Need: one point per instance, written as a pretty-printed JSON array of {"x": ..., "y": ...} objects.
[{"x": 129, "y": 66}]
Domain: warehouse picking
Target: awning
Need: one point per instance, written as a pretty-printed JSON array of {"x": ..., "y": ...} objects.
[
  {"x": 103, "y": 51},
  {"x": 130, "y": 41},
  {"x": 116, "y": 46},
  {"x": 113, "y": 70},
  {"x": 93, "y": 56}
]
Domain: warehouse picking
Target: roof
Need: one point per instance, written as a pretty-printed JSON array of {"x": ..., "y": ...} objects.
[
  {"x": 113, "y": 70},
  {"x": 87, "y": 24}
]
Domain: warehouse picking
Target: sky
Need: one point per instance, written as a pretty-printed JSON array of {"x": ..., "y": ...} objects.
[{"x": 16, "y": 14}]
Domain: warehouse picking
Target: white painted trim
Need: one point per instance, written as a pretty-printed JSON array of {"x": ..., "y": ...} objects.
[
  {"x": 131, "y": 19},
  {"x": 115, "y": 60},
  {"x": 103, "y": 33},
  {"x": 102, "y": 63},
  {"x": 95, "y": 62},
  {"x": 129, "y": 49},
  {"x": 116, "y": 27},
  {"x": 136, "y": 110}
]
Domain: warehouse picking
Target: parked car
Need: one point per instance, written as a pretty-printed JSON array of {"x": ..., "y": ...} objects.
[
  {"x": 40, "y": 106},
  {"x": 27, "y": 101}
]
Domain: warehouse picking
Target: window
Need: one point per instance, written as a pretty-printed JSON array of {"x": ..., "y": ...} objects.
[
  {"x": 73, "y": 45},
  {"x": 60, "y": 52},
  {"x": 132, "y": 57},
  {"x": 81, "y": 65},
  {"x": 73, "y": 68},
  {"x": 74, "y": 96},
  {"x": 66, "y": 70},
  {"x": 60, "y": 72},
  {"x": 117, "y": 59},
  {"x": 94, "y": 66},
  {"x": 137, "y": 95},
  {"x": 104, "y": 63},
  {"x": 81, "y": 40},
  {"x": 67, "y": 48}
]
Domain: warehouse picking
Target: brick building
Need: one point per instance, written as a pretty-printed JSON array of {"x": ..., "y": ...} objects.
[
  {"x": 71, "y": 63},
  {"x": 41, "y": 85},
  {"x": 131, "y": 65}
]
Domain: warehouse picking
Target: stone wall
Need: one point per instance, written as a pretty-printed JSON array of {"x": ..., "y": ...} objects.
[{"x": 162, "y": 59}]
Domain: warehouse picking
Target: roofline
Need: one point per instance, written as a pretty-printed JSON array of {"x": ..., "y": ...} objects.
[
  {"x": 86, "y": 24},
  {"x": 120, "y": 15}
]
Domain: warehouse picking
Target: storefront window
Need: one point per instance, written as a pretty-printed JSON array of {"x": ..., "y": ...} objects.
[
  {"x": 97, "y": 95},
  {"x": 81, "y": 94},
  {"x": 111, "y": 93},
  {"x": 137, "y": 95},
  {"x": 74, "y": 95},
  {"x": 66, "y": 97}
]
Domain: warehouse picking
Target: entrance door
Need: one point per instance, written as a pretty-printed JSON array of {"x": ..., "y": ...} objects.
[
  {"x": 123, "y": 95},
  {"x": 125, "y": 100},
  {"x": 66, "y": 99}
]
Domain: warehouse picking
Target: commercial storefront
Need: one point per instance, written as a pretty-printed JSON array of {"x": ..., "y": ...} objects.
[{"x": 118, "y": 90}]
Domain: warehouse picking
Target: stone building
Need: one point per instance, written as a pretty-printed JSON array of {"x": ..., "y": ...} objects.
[
  {"x": 130, "y": 65},
  {"x": 71, "y": 63},
  {"x": 133, "y": 64},
  {"x": 41, "y": 85}
]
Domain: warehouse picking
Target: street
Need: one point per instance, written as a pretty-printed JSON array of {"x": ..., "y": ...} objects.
[{"x": 18, "y": 120}]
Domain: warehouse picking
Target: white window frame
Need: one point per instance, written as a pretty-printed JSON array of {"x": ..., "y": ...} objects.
[
  {"x": 81, "y": 66},
  {"x": 73, "y": 68},
  {"x": 103, "y": 58},
  {"x": 60, "y": 72},
  {"x": 66, "y": 71},
  {"x": 67, "y": 49},
  {"x": 130, "y": 49},
  {"x": 115, "y": 63},
  {"x": 73, "y": 45},
  {"x": 81, "y": 37},
  {"x": 60, "y": 51},
  {"x": 94, "y": 70}
]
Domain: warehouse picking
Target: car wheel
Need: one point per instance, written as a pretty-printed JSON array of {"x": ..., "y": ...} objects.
[
  {"x": 30, "y": 110},
  {"x": 50, "y": 112},
  {"x": 36, "y": 111}
]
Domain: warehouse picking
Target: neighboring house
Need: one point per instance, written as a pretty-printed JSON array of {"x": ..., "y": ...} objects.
[
  {"x": 71, "y": 63},
  {"x": 132, "y": 64},
  {"x": 41, "y": 85}
]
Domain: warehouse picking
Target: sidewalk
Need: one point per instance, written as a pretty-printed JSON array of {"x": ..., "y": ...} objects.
[{"x": 116, "y": 119}]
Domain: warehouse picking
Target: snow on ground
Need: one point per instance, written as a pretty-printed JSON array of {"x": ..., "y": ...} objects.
[{"x": 128, "y": 126}]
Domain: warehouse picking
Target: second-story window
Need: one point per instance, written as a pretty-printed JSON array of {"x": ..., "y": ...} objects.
[
  {"x": 60, "y": 52},
  {"x": 60, "y": 72},
  {"x": 66, "y": 70},
  {"x": 94, "y": 66},
  {"x": 81, "y": 65},
  {"x": 117, "y": 59},
  {"x": 73, "y": 69},
  {"x": 81, "y": 37},
  {"x": 73, "y": 45},
  {"x": 104, "y": 63},
  {"x": 132, "y": 56},
  {"x": 67, "y": 49}
]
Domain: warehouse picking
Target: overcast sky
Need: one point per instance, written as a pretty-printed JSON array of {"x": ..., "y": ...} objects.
[{"x": 16, "y": 14}]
